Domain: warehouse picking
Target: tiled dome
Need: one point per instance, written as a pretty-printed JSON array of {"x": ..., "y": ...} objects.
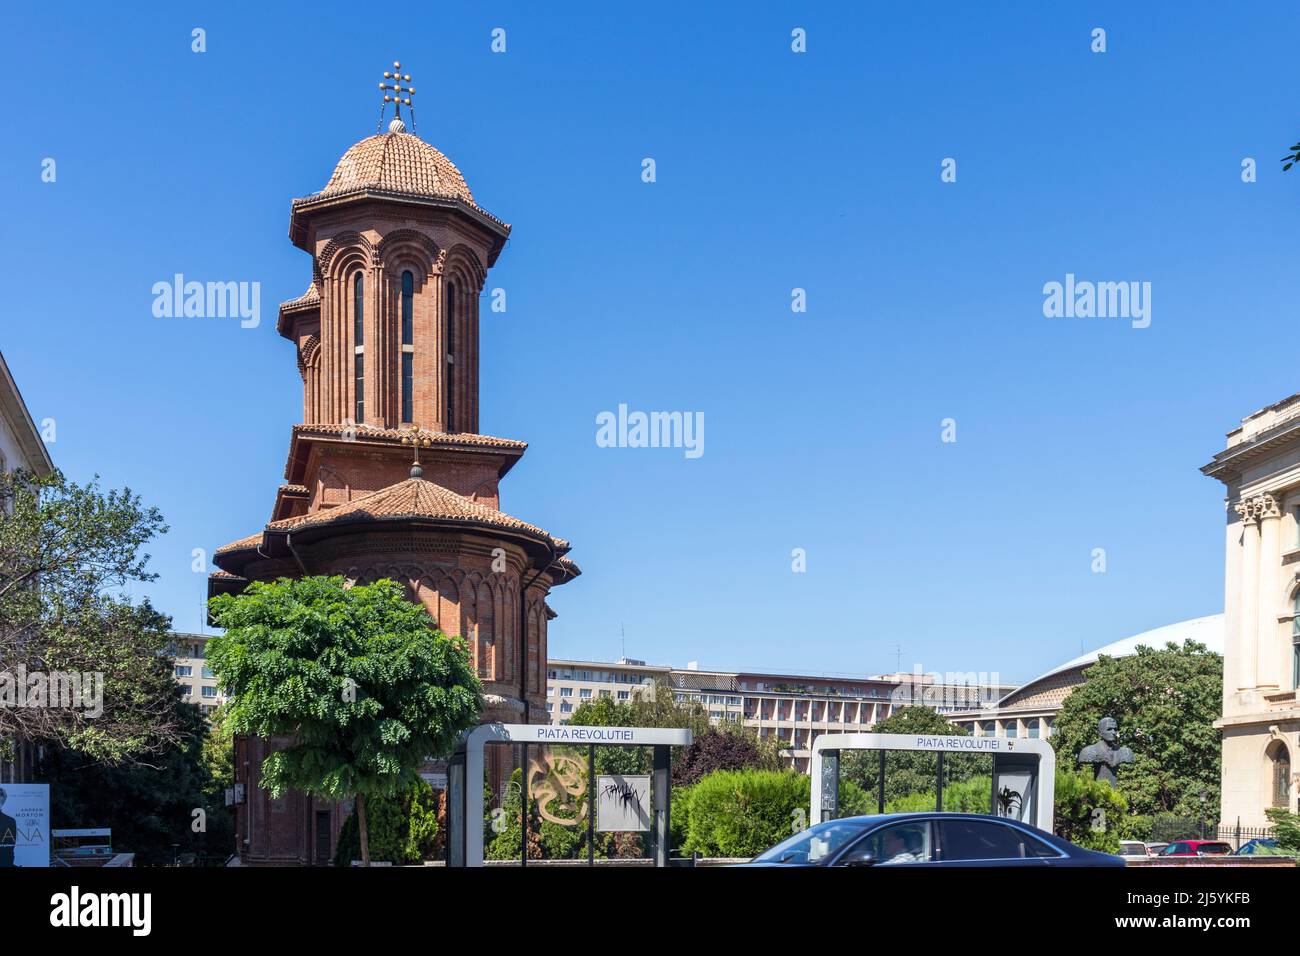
[{"x": 397, "y": 163}]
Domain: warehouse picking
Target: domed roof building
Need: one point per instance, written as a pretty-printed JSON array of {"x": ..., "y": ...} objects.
[
  {"x": 397, "y": 162},
  {"x": 386, "y": 341},
  {"x": 1030, "y": 710}
]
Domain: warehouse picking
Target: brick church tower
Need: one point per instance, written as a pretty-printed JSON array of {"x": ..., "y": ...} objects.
[{"x": 387, "y": 338}]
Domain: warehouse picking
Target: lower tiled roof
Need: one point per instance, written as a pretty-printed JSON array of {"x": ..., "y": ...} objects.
[
  {"x": 412, "y": 499},
  {"x": 367, "y": 433}
]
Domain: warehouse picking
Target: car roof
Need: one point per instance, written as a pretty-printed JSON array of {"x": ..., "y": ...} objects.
[{"x": 873, "y": 818}]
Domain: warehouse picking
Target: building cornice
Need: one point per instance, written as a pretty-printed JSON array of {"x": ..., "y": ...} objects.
[
  {"x": 24, "y": 427},
  {"x": 310, "y": 205},
  {"x": 1229, "y": 464}
]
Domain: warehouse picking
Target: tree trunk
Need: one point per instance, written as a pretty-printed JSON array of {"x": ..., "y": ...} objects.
[{"x": 361, "y": 829}]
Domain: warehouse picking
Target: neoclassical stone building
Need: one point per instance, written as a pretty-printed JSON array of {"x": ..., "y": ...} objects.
[
  {"x": 1260, "y": 467},
  {"x": 386, "y": 338}
]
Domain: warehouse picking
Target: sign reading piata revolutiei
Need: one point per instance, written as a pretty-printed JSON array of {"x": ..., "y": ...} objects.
[
  {"x": 965, "y": 743},
  {"x": 564, "y": 734}
]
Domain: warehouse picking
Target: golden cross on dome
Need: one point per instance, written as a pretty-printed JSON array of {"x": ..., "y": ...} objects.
[
  {"x": 417, "y": 437},
  {"x": 397, "y": 94}
]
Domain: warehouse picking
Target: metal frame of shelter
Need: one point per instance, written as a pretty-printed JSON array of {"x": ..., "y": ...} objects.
[
  {"x": 465, "y": 778},
  {"x": 1029, "y": 763}
]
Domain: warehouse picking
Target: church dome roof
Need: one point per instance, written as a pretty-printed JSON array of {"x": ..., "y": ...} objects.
[{"x": 397, "y": 162}]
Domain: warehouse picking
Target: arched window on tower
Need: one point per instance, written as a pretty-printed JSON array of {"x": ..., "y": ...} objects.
[
  {"x": 359, "y": 345},
  {"x": 450, "y": 338},
  {"x": 408, "y": 346}
]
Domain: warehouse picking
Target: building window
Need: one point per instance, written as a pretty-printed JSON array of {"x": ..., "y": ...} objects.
[
  {"x": 207, "y": 672},
  {"x": 408, "y": 346},
  {"x": 1013, "y": 730},
  {"x": 623, "y": 695},
  {"x": 584, "y": 693},
  {"x": 1295, "y": 646},
  {"x": 358, "y": 345},
  {"x": 566, "y": 691},
  {"x": 450, "y": 339},
  {"x": 1033, "y": 729},
  {"x": 184, "y": 670},
  {"x": 209, "y": 692},
  {"x": 1281, "y": 758}
]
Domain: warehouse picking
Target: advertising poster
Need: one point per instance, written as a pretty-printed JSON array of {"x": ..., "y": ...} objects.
[{"x": 24, "y": 825}]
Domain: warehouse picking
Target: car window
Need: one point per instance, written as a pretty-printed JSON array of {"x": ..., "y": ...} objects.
[
  {"x": 894, "y": 845},
  {"x": 1215, "y": 848},
  {"x": 814, "y": 844},
  {"x": 982, "y": 840},
  {"x": 1173, "y": 848}
]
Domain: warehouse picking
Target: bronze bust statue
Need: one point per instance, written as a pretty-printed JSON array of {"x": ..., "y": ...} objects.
[{"x": 1104, "y": 756}]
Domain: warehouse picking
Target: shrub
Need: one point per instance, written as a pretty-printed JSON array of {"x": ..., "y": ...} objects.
[
  {"x": 1078, "y": 798},
  {"x": 401, "y": 829},
  {"x": 1286, "y": 828},
  {"x": 740, "y": 813},
  {"x": 965, "y": 796},
  {"x": 679, "y": 817}
]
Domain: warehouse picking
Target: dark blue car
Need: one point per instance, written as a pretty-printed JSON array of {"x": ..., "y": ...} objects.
[{"x": 928, "y": 839}]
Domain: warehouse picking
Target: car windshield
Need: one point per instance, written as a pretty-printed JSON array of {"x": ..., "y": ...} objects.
[{"x": 814, "y": 844}]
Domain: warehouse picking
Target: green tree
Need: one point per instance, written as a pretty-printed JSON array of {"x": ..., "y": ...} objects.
[
  {"x": 65, "y": 552},
  {"x": 219, "y": 750},
  {"x": 658, "y": 706},
  {"x": 912, "y": 773},
  {"x": 1166, "y": 701},
  {"x": 1286, "y": 829},
  {"x": 1087, "y": 812},
  {"x": 402, "y": 829},
  {"x": 359, "y": 677},
  {"x": 173, "y": 806}
]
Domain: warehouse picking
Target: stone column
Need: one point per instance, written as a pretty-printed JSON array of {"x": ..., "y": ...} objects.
[
  {"x": 1267, "y": 657},
  {"x": 1246, "y": 639}
]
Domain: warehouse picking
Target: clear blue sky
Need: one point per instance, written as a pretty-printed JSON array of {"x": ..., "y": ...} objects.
[{"x": 775, "y": 170}]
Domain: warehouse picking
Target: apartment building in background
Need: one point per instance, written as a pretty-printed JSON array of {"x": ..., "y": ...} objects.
[
  {"x": 572, "y": 683},
  {"x": 193, "y": 673},
  {"x": 796, "y": 708}
]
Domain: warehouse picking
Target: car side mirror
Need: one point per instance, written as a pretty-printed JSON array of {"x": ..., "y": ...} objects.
[{"x": 862, "y": 859}]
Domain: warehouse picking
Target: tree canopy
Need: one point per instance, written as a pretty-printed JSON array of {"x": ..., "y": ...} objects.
[
  {"x": 359, "y": 677},
  {"x": 1166, "y": 701},
  {"x": 65, "y": 551}
]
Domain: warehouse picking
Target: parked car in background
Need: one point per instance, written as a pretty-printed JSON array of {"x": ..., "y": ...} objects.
[
  {"x": 1264, "y": 846},
  {"x": 1154, "y": 848},
  {"x": 1197, "y": 848},
  {"x": 931, "y": 840},
  {"x": 1133, "y": 850}
]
